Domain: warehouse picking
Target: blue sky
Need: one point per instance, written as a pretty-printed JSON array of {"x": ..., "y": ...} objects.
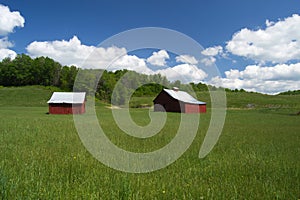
[{"x": 253, "y": 43}]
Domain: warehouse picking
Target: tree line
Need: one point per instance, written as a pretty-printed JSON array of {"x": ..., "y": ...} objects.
[
  {"x": 23, "y": 70},
  {"x": 109, "y": 86},
  {"x": 289, "y": 92}
]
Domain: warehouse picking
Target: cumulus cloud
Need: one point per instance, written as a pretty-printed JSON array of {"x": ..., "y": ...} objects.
[
  {"x": 210, "y": 54},
  {"x": 279, "y": 42},
  {"x": 4, "y": 51},
  {"x": 212, "y": 51},
  {"x": 208, "y": 61},
  {"x": 9, "y": 20},
  {"x": 4, "y": 43},
  {"x": 186, "y": 59},
  {"x": 158, "y": 58},
  {"x": 271, "y": 80},
  {"x": 73, "y": 52},
  {"x": 184, "y": 72},
  {"x": 7, "y": 53},
  {"x": 131, "y": 62}
]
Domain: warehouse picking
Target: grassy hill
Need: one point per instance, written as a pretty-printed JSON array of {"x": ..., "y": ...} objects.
[
  {"x": 262, "y": 101},
  {"x": 256, "y": 157},
  {"x": 25, "y": 96},
  {"x": 240, "y": 100},
  {"x": 39, "y": 95}
]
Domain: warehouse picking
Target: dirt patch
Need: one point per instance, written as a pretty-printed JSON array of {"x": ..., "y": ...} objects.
[{"x": 113, "y": 107}]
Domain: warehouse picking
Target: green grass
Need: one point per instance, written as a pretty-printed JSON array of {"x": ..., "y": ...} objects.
[
  {"x": 42, "y": 157},
  {"x": 25, "y": 96},
  {"x": 245, "y": 100},
  {"x": 140, "y": 102},
  {"x": 241, "y": 100}
]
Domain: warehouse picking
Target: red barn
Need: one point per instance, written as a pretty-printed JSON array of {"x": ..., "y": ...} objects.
[
  {"x": 177, "y": 101},
  {"x": 67, "y": 103}
]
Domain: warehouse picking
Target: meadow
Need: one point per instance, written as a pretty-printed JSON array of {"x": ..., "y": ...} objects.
[{"x": 256, "y": 157}]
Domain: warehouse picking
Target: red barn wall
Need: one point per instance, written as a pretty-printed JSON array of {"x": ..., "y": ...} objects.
[
  {"x": 195, "y": 108},
  {"x": 192, "y": 108},
  {"x": 202, "y": 108},
  {"x": 63, "y": 108}
]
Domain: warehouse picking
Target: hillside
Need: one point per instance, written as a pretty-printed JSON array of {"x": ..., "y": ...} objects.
[
  {"x": 34, "y": 96},
  {"x": 294, "y": 92},
  {"x": 240, "y": 100},
  {"x": 257, "y": 100},
  {"x": 37, "y": 96}
]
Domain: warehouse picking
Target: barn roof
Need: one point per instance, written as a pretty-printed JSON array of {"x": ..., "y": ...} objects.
[
  {"x": 67, "y": 97},
  {"x": 183, "y": 96}
]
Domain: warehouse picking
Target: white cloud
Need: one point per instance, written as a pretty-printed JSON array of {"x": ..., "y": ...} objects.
[
  {"x": 131, "y": 62},
  {"x": 4, "y": 43},
  {"x": 187, "y": 59},
  {"x": 208, "y": 61},
  {"x": 4, "y": 51},
  {"x": 279, "y": 42},
  {"x": 271, "y": 80},
  {"x": 72, "y": 52},
  {"x": 210, "y": 54},
  {"x": 184, "y": 72},
  {"x": 7, "y": 53},
  {"x": 9, "y": 20},
  {"x": 212, "y": 51},
  {"x": 158, "y": 58}
]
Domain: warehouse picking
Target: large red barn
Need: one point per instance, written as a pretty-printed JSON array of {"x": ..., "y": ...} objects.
[
  {"x": 177, "y": 101},
  {"x": 67, "y": 103}
]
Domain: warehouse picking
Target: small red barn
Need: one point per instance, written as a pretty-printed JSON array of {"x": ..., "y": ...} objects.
[
  {"x": 177, "y": 101},
  {"x": 67, "y": 103}
]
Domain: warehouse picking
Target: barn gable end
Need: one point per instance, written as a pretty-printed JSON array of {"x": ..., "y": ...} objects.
[{"x": 163, "y": 102}]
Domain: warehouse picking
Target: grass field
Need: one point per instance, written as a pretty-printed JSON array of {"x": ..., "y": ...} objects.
[{"x": 256, "y": 157}]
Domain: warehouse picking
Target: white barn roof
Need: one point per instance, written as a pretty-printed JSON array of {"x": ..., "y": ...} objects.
[
  {"x": 183, "y": 96},
  {"x": 67, "y": 97}
]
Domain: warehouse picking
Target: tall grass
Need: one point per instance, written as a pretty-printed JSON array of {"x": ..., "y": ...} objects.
[{"x": 256, "y": 157}]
